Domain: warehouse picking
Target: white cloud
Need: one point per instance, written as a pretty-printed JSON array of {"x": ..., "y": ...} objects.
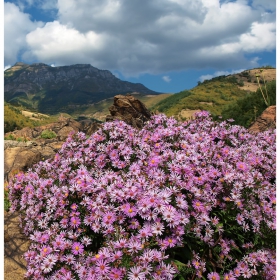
[
  {"x": 56, "y": 42},
  {"x": 157, "y": 36},
  {"x": 219, "y": 73},
  {"x": 7, "y": 67},
  {"x": 166, "y": 79},
  {"x": 17, "y": 24},
  {"x": 41, "y": 4},
  {"x": 206, "y": 77}
]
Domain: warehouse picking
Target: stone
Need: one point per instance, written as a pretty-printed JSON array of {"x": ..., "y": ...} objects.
[
  {"x": 130, "y": 110},
  {"x": 266, "y": 121},
  {"x": 15, "y": 245}
]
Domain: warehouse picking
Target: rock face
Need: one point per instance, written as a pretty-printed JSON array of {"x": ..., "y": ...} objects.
[
  {"x": 130, "y": 110},
  {"x": 20, "y": 156},
  {"x": 61, "y": 89},
  {"x": 266, "y": 121},
  {"x": 15, "y": 245}
]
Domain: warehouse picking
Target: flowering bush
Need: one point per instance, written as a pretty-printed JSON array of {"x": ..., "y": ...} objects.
[{"x": 171, "y": 201}]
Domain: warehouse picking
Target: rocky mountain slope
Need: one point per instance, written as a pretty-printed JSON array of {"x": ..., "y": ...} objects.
[{"x": 61, "y": 89}]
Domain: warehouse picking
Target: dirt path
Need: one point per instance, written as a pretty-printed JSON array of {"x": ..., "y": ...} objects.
[{"x": 15, "y": 245}]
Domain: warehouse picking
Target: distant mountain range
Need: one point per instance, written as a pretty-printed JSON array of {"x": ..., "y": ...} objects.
[{"x": 50, "y": 90}]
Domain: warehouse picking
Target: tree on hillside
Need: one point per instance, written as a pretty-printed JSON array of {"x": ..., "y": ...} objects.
[{"x": 245, "y": 111}]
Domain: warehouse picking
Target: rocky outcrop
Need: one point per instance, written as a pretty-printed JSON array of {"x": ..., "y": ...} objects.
[
  {"x": 61, "y": 128},
  {"x": 15, "y": 245},
  {"x": 130, "y": 110},
  {"x": 266, "y": 121},
  {"x": 20, "y": 156}
]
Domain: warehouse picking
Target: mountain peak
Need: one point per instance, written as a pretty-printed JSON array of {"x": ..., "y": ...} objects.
[
  {"x": 21, "y": 64},
  {"x": 60, "y": 89}
]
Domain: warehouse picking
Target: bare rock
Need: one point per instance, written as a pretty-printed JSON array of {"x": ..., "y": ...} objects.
[
  {"x": 130, "y": 110},
  {"x": 266, "y": 121},
  {"x": 19, "y": 159},
  {"x": 15, "y": 245},
  {"x": 89, "y": 126},
  {"x": 20, "y": 155},
  {"x": 62, "y": 129}
]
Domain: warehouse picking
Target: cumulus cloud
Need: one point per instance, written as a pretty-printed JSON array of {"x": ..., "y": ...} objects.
[
  {"x": 166, "y": 79},
  {"x": 7, "y": 67},
  {"x": 56, "y": 42},
  {"x": 136, "y": 37},
  {"x": 16, "y": 25}
]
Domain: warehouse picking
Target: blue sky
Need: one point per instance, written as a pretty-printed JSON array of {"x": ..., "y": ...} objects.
[{"x": 167, "y": 45}]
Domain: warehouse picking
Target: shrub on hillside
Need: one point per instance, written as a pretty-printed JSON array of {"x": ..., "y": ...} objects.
[
  {"x": 48, "y": 134},
  {"x": 245, "y": 110},
  {"x": 171, "y": 201}
]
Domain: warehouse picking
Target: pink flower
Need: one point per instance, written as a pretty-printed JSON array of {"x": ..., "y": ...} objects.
[
  {"x": 135, "y": 273},
  {"x": 44, "y": 238},
  {"x": 74, "y": 206},
  {"x": 116, "y": 274},
  {"x": 129, "y": 210},
  {"x": 198, "y": 205},
  {"x": 154, "y": 161},
  {"x": 242, "y": 166},
  {"x": 75, "y": 222},
  {"x": 77, "y": 248},
  {"x": 213, "y": 276},
  {"x": 102, "y": 267}
]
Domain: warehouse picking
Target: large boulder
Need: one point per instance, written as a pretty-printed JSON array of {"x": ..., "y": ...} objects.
[
  {"x": 20, "y": 155},
  {"x": 266, "y": 121},
  {"x": 61, "y": 128},
  {"x": 130, "y": 110}
]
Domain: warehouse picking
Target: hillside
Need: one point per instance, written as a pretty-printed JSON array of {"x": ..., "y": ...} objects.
[
  {"x": 100, "y": 110},
  {"x": 231, "y": 96},
  {"x": 215, "y": 95},
  {"x": 51, "y": 90},
  {"x": 19, "y": 117}
]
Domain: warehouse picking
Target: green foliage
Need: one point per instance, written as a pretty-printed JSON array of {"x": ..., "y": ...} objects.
[
  {"x": 171, "y": 101},
  {"x": 212, "y": 95},
  {"x": 48, "y": 134},
  {"x": 267, "y": 67},
  {"x": 241, "y": 83},
  {"x": 10, "y": 137},
  {"x": 7, "y": 203},
  {"x": 245, "y": 110},
  {"x": 13, "y": 119}
]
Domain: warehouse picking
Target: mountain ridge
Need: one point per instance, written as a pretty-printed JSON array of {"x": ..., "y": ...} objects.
[{"x": 57, "y": 89}]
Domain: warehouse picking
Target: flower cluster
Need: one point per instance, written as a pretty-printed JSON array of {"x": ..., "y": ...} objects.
[{"x": 170, "y": 199}]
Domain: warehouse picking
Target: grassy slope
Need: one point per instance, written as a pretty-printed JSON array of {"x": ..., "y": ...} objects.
[
  {"x": 212, "y": 95},
  {"x": 14, "y": 119}
]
